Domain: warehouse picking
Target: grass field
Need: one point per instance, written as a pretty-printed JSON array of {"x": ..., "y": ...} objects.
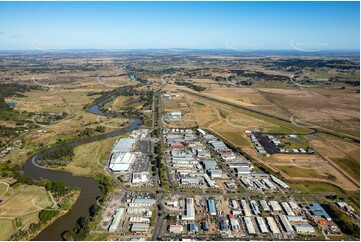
[
  {"x": 88, "y": 157},
  {"x": 315, "y": 187},
  {"x": 236, "y": 138},
  {"x": 7, "y": 228},
  {"x": 122, "y": 102},
  {"x": 349, "y": 165},
  {"x": 305, "y": 171},
  {"x": 3, "y": 189},
  {"x": 14, "y": 207},
  {"x": 35, "y": 197}
]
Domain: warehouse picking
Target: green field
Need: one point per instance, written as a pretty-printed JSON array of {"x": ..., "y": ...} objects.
[
  {"x": 350, "y": 166},
  {"x": 23, "y": 205},
  {"x": 314, "y": 187},
  {"x": 295, "y": 171}
]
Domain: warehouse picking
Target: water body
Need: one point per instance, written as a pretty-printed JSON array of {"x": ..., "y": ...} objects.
[
  {"x": 11, "y": 104},
  {"x": 90, "y": 189}
]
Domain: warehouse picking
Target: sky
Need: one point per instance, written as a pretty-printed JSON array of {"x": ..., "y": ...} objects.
[{"x": 169, "y": 25}]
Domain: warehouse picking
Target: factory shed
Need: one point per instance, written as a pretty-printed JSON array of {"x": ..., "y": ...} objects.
[
  {"x": 209, "y": 164},
  {"x": 287, "y": 209},
  {"x": 205, "y": 225},
  {"x": 249, "y": 225},
  {"x": 246, "y": 208},
  {"x": 255, "y": 208},
  {"x": 212, "y": 207},
  {"x": 176, "y": 229},
  {"x": 208, "y": 180},
  {"x": 123, "y": 145},
  {"x": 273, "y": 225},
  {"x": 192, "y": 228},
  {"x": 264, "y": 205},
  {"x": 317, "y": 210},
  {"x": 234, "y": 223},
  {"x": 275, "y": 206},
  {"x": 189, "y": 213},
  {"x": 262, "y": 225},
  {"x": 286, "y": 224},
  {"x": 297, "y": 218},
  {"x": 269, "y": 184},
  {"x": 116, "y": 219},
  {"x": 279, "y": 182},
  {"x": 215, "y": 173},
  {"x": 304, "y": 229},
  {"x": 139, "y": 228}
]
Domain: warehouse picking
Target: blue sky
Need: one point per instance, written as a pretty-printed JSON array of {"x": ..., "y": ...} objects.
[{"x": 197, "y": 25}]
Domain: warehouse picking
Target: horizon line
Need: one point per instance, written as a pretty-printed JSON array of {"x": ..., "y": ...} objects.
[{"x": 180, "y": 48}]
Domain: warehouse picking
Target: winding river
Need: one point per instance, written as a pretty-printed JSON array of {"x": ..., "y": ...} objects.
[{"x": 90, "y": 188}]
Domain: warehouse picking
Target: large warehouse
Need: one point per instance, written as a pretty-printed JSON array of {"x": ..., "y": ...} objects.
[
  {"x": 120, "y": 157},
  {"x": 120, "y": 162}
]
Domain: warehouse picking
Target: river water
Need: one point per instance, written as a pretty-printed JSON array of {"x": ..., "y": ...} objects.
[{"x": 90, "y": 189}]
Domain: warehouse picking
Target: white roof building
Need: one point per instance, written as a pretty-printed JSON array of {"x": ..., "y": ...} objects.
[
  {"x": 189, "y": 212},
  {"x": 140, "y": 177}
]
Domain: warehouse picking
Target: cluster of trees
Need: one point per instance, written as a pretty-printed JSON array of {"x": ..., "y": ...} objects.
[
  {"x": 342, "y": 220},
  {"x": 59, "y": 157},
  {"x": 57, "y": 188},
  {"x": 46, "y": 215},
  {"x": 48, "y": 118},
  {"x": 82, "y": 228},
  {"x": 80, "y": 232},
  {"x": 90, "y": 132},
  {"x": 258, "y": 75},
  {"x": 190, "y": 85},
  {"x": 316, "y": 63}
]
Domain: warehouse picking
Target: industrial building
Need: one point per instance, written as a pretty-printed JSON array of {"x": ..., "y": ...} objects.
[
  {"x": 264, "y": 205},
  {"x": 139, "y": 220},
  {"x": 234, "y": 204},
  {"x": 120, "y": 162},
  {"x": 275, "y": 206},
  {"x": 287, "y": 209},
  {"x": 192, "y": 228},
  {"x": 317, "y": 210},
  {"x": 246, "y": 209},
  {"x": 234, "y": 223},
  {"x": 249, "y": 225},
  {"x": 273, "y": 225},
  {"x": 211, "y": 207},
  {"x": 205, "y": 225},
  {"x": 124, "y": 145},
  {"x": 189, "y": 212},
  {"x": 262, "y": 225},
  {"x": 304, "y": 229},
  {"x": 141, "y": 202},
  {"x": 279, "y": 182},
  {"x": 269, "y": 184},
  {"x": 116, "y": 219},
  {"x": 224, "y": 224},
  {"x": 215, "y": 173},
  {"x": 140, "y": 228},
  {"x": 243, "y": 171},
  {"x": 208, "y": 180},
  {"x": 286, "y": 224},
  {"x": 140, "y": 177},
  {"x": 255, "y": 208},
  {"x": 176, "y": 229},
  {"x": 173, "y": 116}
]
